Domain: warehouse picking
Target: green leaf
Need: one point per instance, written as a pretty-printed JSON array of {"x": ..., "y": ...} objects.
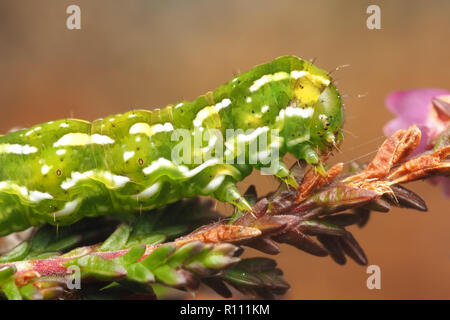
[
  {"x": 42, "y": 238},
  {"x": 250, "y": 195},
  {"x": 442, "y": 140},
  {"x": 174, "y": 231},
  {"x": 99, "y": 268},
  {"x": 236, "y": 215},
  {"x": 145, "y": 223},
  {"x": 139, "y": 273},
  {"x": 64, "y": 243},
  {"x": 10, "y": 289},
  {"x": 153, "y": 238},
  {"x": 242, "y": 278},
  {"x": 141, "y": 289},
  {"x": 256, "y": 274},
  {"x": 169, "y": 276},
  {"x": 6, "y": 272},
  {"x": 322, "y": 226},
  {"x": 148, "y": 239},
  {"x": 111, "y": 285},
  {"x": 45, "y": 255},
  {"x": 257, "y": 264},
  {"x": 185, "y": 252},
  {"x": 132, "y": 256},
  {"x": 118, "y": 239},
  {"x": 215, "y": 260},
  {"x": 77, "y": 252},
  {"x": 158, "y": 256},
  {"x": 17, "y": 253},
  {"x": 30, "y": 292}
]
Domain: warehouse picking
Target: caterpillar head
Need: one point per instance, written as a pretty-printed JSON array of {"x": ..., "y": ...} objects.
[{"x": 327, "y": 120}]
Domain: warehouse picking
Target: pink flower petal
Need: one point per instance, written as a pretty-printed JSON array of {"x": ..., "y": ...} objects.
[
  {"x": 446, "y": 186},
  {"x": 398, "y": 123},
  {"x": 442, "y": 182},
  {"x": 434, "y": 181},
  {"x": 424, "y": 140},
  {"x": 413, "y": 105},
  {"x": 394, "y": 125}
]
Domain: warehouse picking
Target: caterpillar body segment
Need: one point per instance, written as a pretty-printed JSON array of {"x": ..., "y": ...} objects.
[{"x": 61, "y": 171}]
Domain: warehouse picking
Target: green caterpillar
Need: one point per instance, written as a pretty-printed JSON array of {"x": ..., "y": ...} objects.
[{"x": 61, "y": 171}]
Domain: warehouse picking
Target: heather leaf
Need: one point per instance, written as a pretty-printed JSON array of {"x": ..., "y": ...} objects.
[
  {"x": 138, "y": 272},
  {"x": 158, "y": 256},
  {"x": 117, "y": 240},
  {"x": 10, "y": 289},
  {"x": 6, "y": 272},
  {"x": 132, "y": 256},
  {"x": 100, "y": 268},
  {"x": 17, "y": 253}
]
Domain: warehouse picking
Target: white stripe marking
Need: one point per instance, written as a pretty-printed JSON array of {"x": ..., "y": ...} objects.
[
  {"x": 76, "y": 176},
  {"x": 60, "y": 152},
  {"x": 268, "y": 78},
  {"x": 164, "y": 163},
  {"x": 37, "y": 196},
  {"x": 253, "y": 135},
  {"x": 299, "y": 112},
  {"x": 204, "y": 114},
  {"x": 214, "y": 184},
  {"x": 115, "y": 180},
  {"x": 128, "y": 155},
  {"x": 161, "y": 162},
  {"x": 100, "y": 139},
  {"x": 198, "y": 169},
  {"x": 320, "y": 79},
  {"x": 33, "y": 195},
  {"x": 45, "y": 169},
  {"x": 17, "y": 148},
  {"x": 298, "y": 74},
  {"x": 69, "y": 207},
  {"x": 150, "y": 191},
  {"x": 210, "y": 110},
  {"x": 81, "y": 139},
  {"x": 142, "y": 127},
  {"x": 223, "y": 104},
  {"x": 294, "y": 142},
  {"x": 118, "y": 181}
]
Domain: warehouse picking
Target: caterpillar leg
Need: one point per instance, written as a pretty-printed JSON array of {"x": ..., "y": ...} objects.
[
  {"x": 283, "y": 173},
  {"x": 228, "y": 192},
  {"x": 311, "y": 157},
  {"x": 13, "y": 215}
]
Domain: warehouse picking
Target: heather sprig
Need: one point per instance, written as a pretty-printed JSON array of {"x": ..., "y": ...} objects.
[{"x": 156, "y": 251}]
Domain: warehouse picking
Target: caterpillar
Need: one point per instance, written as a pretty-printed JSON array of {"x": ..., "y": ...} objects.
[{"x": 61, "y": 171}]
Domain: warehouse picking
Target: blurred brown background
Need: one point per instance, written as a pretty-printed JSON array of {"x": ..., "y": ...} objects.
[{"x": 150, "y": 53}]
